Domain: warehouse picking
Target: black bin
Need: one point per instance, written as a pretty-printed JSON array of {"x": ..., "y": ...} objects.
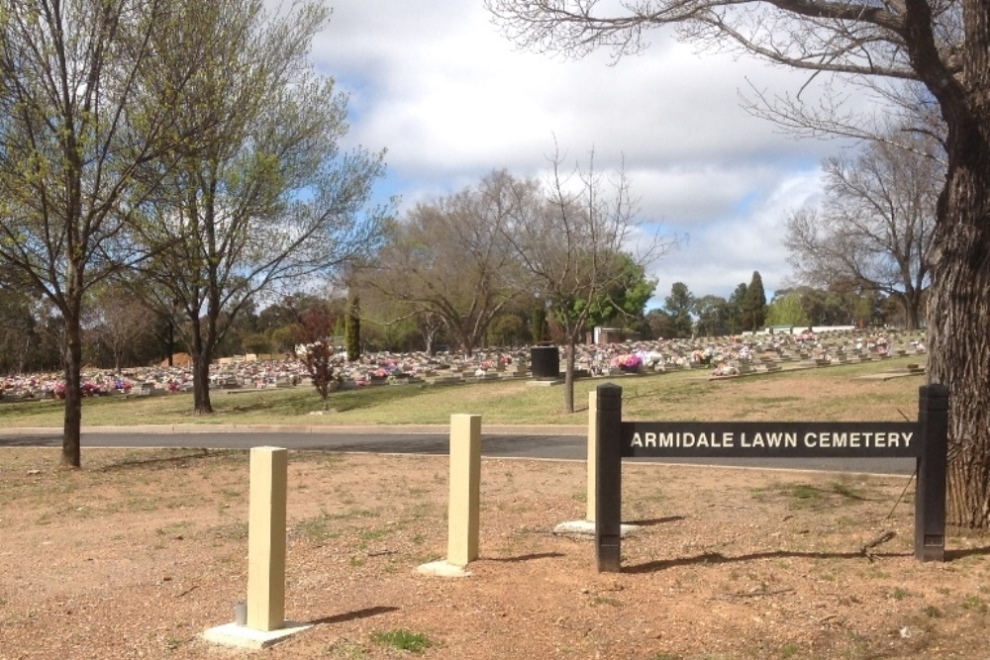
[{"x": 545, "y": 361}]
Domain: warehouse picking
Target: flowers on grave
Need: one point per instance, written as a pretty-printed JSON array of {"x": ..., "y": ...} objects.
[
  {"x": 89, "y": 388},
  {"x": 653, "y": 359},
  {"x": 58, "y": 390},
  {"x": 627, "y": 362}
]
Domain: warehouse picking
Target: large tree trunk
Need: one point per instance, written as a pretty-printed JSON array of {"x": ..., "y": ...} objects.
[
  {"x": 959, "y": 303},
  {"x": 201, "y": 357},
  {"x": 958, "y": 316},
  {"x": 912, "y": 308},
  {"x": 72, "y": 426},
  {"x": 201, "y": 385}
]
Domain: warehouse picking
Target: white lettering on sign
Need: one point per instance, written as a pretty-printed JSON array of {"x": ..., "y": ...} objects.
[
  {"x": 858, "y": 439},
  {"x": 686, "y": 440},
  {"x": 762, "y": 440},
  {"x": 774, "y": 440}
]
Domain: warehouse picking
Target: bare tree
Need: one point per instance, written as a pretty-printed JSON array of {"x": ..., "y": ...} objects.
[
  {"x": 875, "y": 225},
  {"x": 935, "y": 50},
  {"x": 430, "y": 326},
  {"x": 81, "y": 151},
  {"x": 574, "y": 248},
  {"x": 118, "y": 318},
  {"x": 451, "y": 257}
]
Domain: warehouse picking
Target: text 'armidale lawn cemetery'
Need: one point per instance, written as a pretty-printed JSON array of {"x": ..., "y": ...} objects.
[{"x": 740, "y": 439}]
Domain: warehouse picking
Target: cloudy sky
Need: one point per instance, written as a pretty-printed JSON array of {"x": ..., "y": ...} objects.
[{"x": 438, "y": 85}]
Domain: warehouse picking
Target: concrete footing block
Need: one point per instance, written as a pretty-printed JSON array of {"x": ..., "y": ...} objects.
[
  {"x": 232, "y": 634},
  {"x": 443, "y": 569},
  {"x": 587, "y": 528}
]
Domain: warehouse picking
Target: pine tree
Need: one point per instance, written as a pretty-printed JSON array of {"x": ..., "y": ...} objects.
[
  {"x": 755, "y": 303},
  {"x": 352, "y": 327}
]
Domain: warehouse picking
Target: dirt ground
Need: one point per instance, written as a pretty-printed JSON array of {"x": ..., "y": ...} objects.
[{"x": 141, "y": 551}]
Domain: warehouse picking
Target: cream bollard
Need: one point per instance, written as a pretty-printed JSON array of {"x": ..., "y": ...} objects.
[
  {"x": 463, "y": 523},
  {"x": 465, "y": 489},
  {"x": 266, "y": 539},
  {"x": 264, "y": 613}
]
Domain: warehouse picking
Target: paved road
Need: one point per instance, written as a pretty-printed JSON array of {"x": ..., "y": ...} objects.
[{"x": 569, "y": 446}]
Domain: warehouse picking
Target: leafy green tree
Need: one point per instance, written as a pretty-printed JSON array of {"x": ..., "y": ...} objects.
[
  {"x": 270, "y": 198},
  {"x": 508, "y": 329},
  {"x": 736, "y": 309},
  {"x": 625, "y": 302},
  {"x": 787, "y": 310},
  {"x": 285, "y": 338},
  {"x": 660, "y": 324},
  {"x": 678, "y": 306},
  {"x": 83, "y": 149},
  {"x": 256, "y": 342},
  {"x": 713, "y": 315},
  {"x": 278, "y": 314}
]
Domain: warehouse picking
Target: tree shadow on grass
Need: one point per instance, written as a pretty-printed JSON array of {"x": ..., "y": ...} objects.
[
  {"x": 31, "y": 441},
  {"x": 521, "y": 558},
  {"x": 351, "y": 616},
  {"x": 962, "y": 553},
  {"x": 653, "y": 521},
  {"x": 719, "y": 558},
  {"x": 372, "y": 396},
  {"x": 179, "y": 460}
]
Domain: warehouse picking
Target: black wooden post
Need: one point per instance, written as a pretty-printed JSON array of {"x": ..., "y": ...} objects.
[
  {"x": 929, "y": 501},
  {"x": 608, "y": 486}
]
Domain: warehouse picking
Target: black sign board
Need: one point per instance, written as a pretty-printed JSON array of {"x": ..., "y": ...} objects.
[{"x": 926, "y": 439}]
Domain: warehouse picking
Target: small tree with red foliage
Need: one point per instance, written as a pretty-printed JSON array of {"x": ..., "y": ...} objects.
[{"x": 317, "y": 322}]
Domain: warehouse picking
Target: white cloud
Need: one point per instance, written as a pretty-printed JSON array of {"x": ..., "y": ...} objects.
[{"x": 451, "y": 99}]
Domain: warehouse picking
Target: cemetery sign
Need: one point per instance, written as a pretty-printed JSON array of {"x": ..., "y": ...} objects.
[
  {"x": 770, "y": 439},
  {"x": 926, "y": 440}
]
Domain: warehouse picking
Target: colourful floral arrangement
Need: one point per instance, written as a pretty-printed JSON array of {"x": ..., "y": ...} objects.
[
  {"x": 89, "y": 388},
  {"x": 627, "y": 361}
]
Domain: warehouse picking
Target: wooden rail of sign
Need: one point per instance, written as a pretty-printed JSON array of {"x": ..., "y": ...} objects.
[{"x": 925, "y": 440}]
